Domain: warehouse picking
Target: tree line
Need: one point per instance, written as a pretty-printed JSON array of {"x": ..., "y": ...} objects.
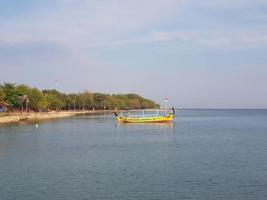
[{"x": 21, "y": 96}]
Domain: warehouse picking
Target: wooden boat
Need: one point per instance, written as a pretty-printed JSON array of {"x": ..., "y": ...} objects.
[{"x": 146, "y": 119}]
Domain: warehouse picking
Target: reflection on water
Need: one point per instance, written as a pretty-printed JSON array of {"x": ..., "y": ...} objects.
[
  {"x": 164, "y": 131},
  {"x": 161, "y": 126}
]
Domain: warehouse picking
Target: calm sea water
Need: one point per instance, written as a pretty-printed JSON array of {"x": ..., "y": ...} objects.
[{"x": 204, "y": 154}]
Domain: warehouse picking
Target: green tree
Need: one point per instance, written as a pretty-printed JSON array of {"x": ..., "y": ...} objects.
[
  {"x": 121, "y": 104},
  {"x": 2, "y": 94},
  {"x": 12, "y": 94},
  {"x": 53, "y": 102},
  {"x": 54, "y": 99},
  {"x": 110, "y": 102},
  {"x": 37, "y": 100},
  {"x": 99, "y": 99},
  {"x": 134, "y": 103},
  {"x": 23, "y": 89},
  {"x": 69, "y": 101},
  {"x": 88, "y": 99}
]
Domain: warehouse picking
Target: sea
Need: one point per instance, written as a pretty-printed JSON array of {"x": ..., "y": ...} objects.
[{"x": 205, "y": 154}]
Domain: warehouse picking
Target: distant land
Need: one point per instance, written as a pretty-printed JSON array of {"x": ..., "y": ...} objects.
[{"x": 19, "y": 97}]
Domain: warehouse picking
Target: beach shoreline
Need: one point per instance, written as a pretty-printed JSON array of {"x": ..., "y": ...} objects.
[
  {"x": 12, "y": 117},
  {"x": 17, "y": 117}
]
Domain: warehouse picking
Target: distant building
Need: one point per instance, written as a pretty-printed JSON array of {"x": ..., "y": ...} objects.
[{"x": 3, "y": 106}]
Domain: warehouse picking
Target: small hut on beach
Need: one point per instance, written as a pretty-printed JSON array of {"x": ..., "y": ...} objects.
[{"x": 4, "y": 106}]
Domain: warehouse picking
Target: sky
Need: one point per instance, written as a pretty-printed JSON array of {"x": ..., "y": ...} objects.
[{"x": 199, "y": 54}]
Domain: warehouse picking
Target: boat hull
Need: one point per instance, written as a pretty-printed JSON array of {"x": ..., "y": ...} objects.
[{"x": 157, "y": 119}]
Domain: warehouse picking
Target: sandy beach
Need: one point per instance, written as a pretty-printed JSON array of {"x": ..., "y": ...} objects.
[{"x": 16, "y": 117}]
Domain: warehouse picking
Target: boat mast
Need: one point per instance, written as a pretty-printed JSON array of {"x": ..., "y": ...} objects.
[{"x": 165, "y": 105}]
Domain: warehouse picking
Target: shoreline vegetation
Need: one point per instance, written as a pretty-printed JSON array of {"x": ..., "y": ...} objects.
[{"x": 21, "y": 102}]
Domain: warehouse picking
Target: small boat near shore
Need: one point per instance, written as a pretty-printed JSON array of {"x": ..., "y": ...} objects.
[{"x": 146, "y": 119}]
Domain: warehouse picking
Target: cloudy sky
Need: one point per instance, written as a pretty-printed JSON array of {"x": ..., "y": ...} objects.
[{"x": 210, "y": 53}]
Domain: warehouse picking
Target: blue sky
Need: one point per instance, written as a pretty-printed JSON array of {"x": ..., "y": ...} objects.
[{"x": 210, "y": 53}]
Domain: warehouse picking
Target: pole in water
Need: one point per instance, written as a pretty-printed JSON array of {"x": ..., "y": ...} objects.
[{"x": 36, "y": 125}]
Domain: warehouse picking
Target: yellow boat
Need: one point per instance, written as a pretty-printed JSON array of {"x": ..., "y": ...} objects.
[{"x": 146, "y": 119}]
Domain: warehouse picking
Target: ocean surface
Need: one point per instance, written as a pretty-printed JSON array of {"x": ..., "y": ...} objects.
[{"x": 203, "y": 154}]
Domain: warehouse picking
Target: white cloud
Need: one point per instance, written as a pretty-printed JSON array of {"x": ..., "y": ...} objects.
[
  {"x": 210, "y": 39},
  {"x": 80, "y": 24},
  {"x": 83, "y": 23},
  {"x": 87, "y": 21}
]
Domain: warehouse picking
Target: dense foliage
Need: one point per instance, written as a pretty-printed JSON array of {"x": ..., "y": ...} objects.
[{"x": 22, "y": 96}]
